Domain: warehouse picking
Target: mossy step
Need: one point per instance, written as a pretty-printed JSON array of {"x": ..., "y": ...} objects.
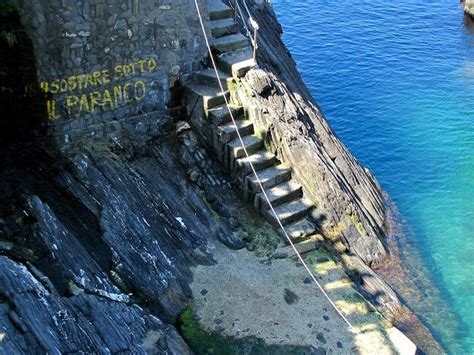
[
  {"x": 251, "y": 143},
  {"x": 260, "y": 160},
  {"x": 268, "y": 178},
  {"x": 220, "y": 114},
  {"x": 230, "y": 43},
  {"x": 224, "y": 27},
  {"x": 228, "y": 132},
  {"x": 311, "y": 243},
  {"x": 237, "y": 63},
  {"x": 218, "y": 10},
  {"x": 279, "y": 194},
  {"x": 211, "y": 95},
  {"x": 209, "y": 77},
  {"x": 289, "y": 212},
  {"x": 298, "y": 231}
]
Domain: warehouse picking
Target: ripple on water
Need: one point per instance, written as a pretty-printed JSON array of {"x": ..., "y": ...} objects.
[{"x": 396, "y": 82}]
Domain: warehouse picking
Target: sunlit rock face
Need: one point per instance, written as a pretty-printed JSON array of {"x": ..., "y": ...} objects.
[{"x": 469, "y": 7}]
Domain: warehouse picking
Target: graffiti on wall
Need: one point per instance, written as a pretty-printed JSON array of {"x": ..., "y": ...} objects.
[{"x": 105, "y": 89}]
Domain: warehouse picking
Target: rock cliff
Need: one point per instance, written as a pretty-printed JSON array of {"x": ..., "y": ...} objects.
[
  {"x": 110, "y": 203},
  {"x": 469, "y": 7}
]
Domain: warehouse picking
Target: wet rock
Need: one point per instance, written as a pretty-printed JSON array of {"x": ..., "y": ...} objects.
[
  {"x": 83, "y": 323},
  {"x": 326, "y": 318},
  {"x": 279, "y": 255}
]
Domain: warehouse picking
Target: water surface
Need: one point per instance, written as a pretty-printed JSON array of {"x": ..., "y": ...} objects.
[{"x": 396, "y": 82}]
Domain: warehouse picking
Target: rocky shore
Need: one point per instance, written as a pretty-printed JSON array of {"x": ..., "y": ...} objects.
[{"x": 129, "y": 236}]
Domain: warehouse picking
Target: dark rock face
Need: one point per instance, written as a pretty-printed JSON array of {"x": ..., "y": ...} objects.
[
  {"x": 35, "y": 320},
  {"x": 90, "y": 243}
]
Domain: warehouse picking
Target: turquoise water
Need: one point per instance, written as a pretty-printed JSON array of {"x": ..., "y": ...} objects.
[{"x": 396, "y": 82}]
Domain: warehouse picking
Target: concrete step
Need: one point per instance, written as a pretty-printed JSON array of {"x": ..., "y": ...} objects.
[
  {"x": 312, "y": 243},
  {"x": 260, "y": 160},
  {"x": 251, "y": 142},
  {"x": 224, "y": 27},
  {"x": 268, "y": 177},
  {"x": 208, "y": 77},
  {"x": 289, "y": 212},
  {"x": 228, "y": 132},
  {"x": 298, "y": 231},
  {"x": 211, "y": 95},
  {"x": 237, "y": 63},
  {"x": 218, "y": 10},
  {"x": 279, "y": 194},
  {"x": 220, "y": 114},
  {"x": 230, "y": 43}
]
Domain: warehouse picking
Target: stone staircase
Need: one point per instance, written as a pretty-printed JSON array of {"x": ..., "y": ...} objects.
[{"x": 234, "y": 56}]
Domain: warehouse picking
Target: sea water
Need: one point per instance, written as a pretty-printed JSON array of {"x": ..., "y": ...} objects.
[{"x": 395, "y": 80}]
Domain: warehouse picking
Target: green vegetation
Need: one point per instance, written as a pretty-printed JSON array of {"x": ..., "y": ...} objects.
[
  {"x": 263, "y": 241},
  {"x": 8, "y": 6},
  {"x": 202, "y": 342},
  {"x": 356, "y": 222}
]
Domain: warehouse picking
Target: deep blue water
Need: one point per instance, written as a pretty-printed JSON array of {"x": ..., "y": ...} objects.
[{"x": 396, "y": 82}]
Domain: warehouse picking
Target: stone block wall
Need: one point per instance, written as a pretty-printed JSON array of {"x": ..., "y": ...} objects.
[{"x": 103, "y": 60}]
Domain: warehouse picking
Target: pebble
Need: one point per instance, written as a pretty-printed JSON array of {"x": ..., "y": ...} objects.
[
  {"x": 218, "y": 321},
  {"x": 219, "y": 329},
  {"x": 204, "y": 292},
  {"x": 279, "y": 255},
  {"x": 326, "y": 318},
  {"x": 194, "y": 176},
  {"x": 310, "y": 325},
  {"x": 234, "y": 223},
  {"x": 339, "y": 345},
  {"x": 321, "y": 338},
  {"x": 290, "y": 296},
  {"x": 307, "y": 280},
  {"x": 298, "y": 264}
]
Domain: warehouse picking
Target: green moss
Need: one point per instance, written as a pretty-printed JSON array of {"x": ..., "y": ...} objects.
[
  {"x": 202, "y": 342},
  {"x": 356, "y": 222},
  {"x": 8, "y": 6}
]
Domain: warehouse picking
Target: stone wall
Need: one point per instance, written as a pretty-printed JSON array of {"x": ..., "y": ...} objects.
[{"x": 100, "y": 61}]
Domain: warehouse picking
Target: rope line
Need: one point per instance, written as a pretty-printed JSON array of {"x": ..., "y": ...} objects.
[{"x": 254, "y": 171}]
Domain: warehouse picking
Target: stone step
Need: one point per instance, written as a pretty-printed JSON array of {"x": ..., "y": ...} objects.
[
  {"x": 218, "y": 10},
  {"x": 313, "y": 242},
  {"x": 269, "y": 178},
  {"x": 220, "y": 114},
  {"x": 260, "y": 160},
  {"x": 230, "y": 43},
  {"x": 211, "y": 95},
  {"x": 251, "y": 142},
  {"x": 298, "y": 231},
  {"x": 224, "y": 27},
  {"x": 237, "y": 63},
  {"x": 208, "y": 77},
  {"x": 279, "y": 194},
  {"x": 289, "y": 212},
  {"x": 228, "y": 132}
]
